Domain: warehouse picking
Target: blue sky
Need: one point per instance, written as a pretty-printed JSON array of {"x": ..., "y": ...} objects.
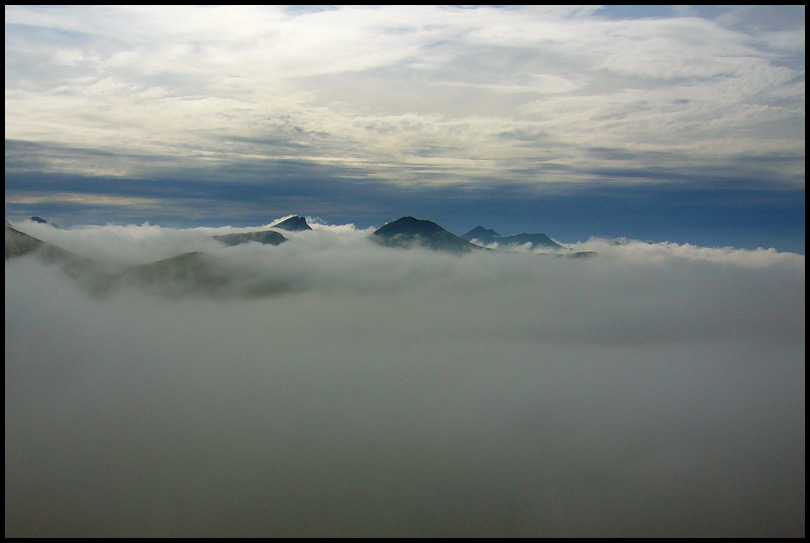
[{"x": 681, "y": 124}]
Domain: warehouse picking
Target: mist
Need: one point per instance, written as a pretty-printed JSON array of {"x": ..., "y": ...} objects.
[{"x": 648, "y": 390}]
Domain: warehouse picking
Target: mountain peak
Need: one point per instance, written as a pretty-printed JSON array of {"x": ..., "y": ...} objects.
[
  {"x": 484, "y": 235},
  {"x": 409, "y": 225},
  {"x": 408, "y": 231},
  {"x": 293, "y": 224},
  {"x": 40, "y": 220},
  {"x": 480, "y": 233}
]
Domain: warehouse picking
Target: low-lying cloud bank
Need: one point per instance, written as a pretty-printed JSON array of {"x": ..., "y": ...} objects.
[{"x": 651, "y": 389}]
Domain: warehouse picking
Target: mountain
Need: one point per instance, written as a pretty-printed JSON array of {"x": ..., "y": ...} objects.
[
  {"x": 293, "y": 224},
  {"x": 95, "y": 277},
  {"x": 193, "y": 274},
  {"x": 40, "y": 220},
  {"x": 537, "y": 240},
  {"x": 265, "y": 237},
  {"x": 190, "y": 274},
  {"x": 18, "y": 243},
  {"x": 483, "y": 235},
  {"x": 408, "y": 231}
]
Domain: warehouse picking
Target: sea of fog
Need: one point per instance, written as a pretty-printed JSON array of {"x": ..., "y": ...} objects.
[{"x": 648, "y": 390}]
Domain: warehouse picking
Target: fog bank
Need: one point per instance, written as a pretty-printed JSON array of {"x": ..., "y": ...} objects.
[{"x": 651, "y": 390}]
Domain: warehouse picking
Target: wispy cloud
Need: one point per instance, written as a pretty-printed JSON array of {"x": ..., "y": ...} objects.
[
  {"x": 81, "y": 199},
  {"x": 374, "y": 86}
]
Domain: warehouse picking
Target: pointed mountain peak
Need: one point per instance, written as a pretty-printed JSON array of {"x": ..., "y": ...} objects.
[
  {"x": 480, "y": 233},
  {"x": 40, "y": 220},
  {"x": 293, "y": 224}
]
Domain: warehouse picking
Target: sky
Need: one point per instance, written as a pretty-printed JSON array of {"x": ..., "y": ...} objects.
[
  {"x": 651, "y": 389},
  {"x": 331, "y": 386},
  {"x": 659, "y": 123}
]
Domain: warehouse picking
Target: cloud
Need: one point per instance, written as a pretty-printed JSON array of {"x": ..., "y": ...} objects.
[
  {"x": 78, "y": 198},
  {"x": 649, "y": 390},
  {"x": 207, "y": 86},
  {"x": 667, "y": 252}
]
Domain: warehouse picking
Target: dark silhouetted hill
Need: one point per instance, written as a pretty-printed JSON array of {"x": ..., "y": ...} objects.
[
  {"x": 265, "y": 237},
  {"x": 95, "y": 277},
  {"x": 485, "y": 236},
  {"x": 40, "y": 220},
  {"x": 408, "y": 231},
  {"x": 293, "y": 224},
  {"x": 18, "y": 243},
  {"x": 192, "y": 274},
  {"x": 482, "y": 234}
]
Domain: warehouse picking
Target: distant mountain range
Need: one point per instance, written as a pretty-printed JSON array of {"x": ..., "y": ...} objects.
[
  {"x": 482, "y": 235},
  {"x": 191, "y": 274},
  {"x": 405, "y": 232},
  {"x": 196, "y": 273}
]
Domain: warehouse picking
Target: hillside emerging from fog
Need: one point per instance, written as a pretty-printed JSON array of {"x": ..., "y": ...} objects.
[
  {"x": 202, "y": 272},
  {"x": 261, "y": 261}
]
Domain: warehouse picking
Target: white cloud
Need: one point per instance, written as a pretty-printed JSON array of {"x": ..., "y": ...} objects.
[
  {"x": 177, "y": 82},
  {"x": 83, "y": 199},
  {"x": 668, "y": 252}
]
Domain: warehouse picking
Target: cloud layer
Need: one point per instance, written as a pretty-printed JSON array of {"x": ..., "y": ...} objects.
[
  {"x": 649, "y": 390},
  {"x": 416, "y": 95}
]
